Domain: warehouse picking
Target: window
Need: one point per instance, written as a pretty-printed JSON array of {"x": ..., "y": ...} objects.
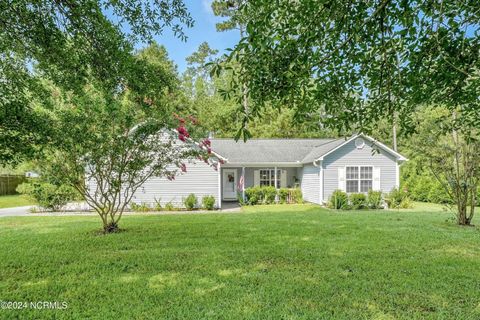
[
  {"x": 267, "y": 177},
  {"x": 359, "y": 179}
]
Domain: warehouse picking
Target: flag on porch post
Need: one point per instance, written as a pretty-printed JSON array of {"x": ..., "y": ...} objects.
[{"x": 240, "y": 184}]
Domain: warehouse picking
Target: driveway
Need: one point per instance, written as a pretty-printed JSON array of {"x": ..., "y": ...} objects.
[{"x": 17, "y": 211}]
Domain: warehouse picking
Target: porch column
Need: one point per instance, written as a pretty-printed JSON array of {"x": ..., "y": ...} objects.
[
  {"x": 243, "y": 183},
  {"x": 276, "y": 178},
  {"x": 276, "y": 188}
]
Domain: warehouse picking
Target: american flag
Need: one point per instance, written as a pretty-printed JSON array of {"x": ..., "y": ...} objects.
[{"x": 240, "y": 183}]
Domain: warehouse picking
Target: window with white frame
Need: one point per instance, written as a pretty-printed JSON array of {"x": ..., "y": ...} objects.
[
  {"x": 359, "y": 179},
  {"x": 267, "y": 177}
]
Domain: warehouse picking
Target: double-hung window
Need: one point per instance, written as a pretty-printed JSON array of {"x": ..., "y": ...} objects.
[
  {"x": 359, "y": 178},
  {"x": 267, "y": 177}
]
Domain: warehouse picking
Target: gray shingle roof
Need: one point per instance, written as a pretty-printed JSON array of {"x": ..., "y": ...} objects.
[{"x": 274, "y": 150}]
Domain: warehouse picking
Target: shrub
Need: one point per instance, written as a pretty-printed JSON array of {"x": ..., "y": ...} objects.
[
  {"x": 419, "y": 187},
  {"x": 158, "y": 204},
  {"x": 426, "y": 188},
  {"x": 190, "y": 202},
  {"x": 406, "y": 203},
  {"x": 286, "y": 195},
  {"x": 208, "y": 202},
  {"x": 142, "y": 207},
  {"x": 438, "y": 194},
  {"x": 47, "y": 195},
  {"x": 338, "y": 200},
  {"x": 374, "y": 199},
  {"x": 396, "y": 197},
  {"x": 283, "y": 195},
  {"x": 252, "y": 195},
  {"x": 169, "y": 206},
  {"x": 296, "y": 195},
  {"x": 269, "y": 194},
  {"x": 358, "y": 201},
  {"x": 260, "y": 195},
  {"x": 240, "y": 199}
]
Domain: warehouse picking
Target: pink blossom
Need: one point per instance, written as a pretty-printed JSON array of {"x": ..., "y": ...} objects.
[
  {"x": 207, "y": 142},
  {"x": 209, "y": 150},
  {"x": 182, "y": 130},
  {"x": 221, "y": 161},
  {"x": 183, "y": 167},
  {"x": 182, "y": 137}
]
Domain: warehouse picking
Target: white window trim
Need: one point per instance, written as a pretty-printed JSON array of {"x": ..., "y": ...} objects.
[
  {"x": 359, "y": 178},
  {"x": 278, "y": 176}
]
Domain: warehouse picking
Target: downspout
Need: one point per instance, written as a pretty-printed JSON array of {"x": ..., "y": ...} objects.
[{"x": 320, "y": 178}]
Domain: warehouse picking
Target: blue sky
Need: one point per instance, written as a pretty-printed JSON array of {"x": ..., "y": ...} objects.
[{"x": 203, "y": 30}]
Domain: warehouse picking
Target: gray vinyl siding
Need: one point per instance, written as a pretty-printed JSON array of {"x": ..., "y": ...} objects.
[
  {"x": 350, "y": 155},
  {"x": 310, "y": 183},
  {"x": 200, "y": 179}
]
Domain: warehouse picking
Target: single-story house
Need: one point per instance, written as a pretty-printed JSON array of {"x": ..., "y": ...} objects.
[{"x": 317, "y": 166}]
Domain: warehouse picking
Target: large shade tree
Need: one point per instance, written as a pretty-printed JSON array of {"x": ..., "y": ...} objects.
[
  {"x": 358, "y": 62},
  {"x": 70, "y": 43}
]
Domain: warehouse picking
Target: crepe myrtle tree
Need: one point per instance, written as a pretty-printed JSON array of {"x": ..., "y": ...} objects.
[
  {"x": 141, "y": 153},
  {"x": 108, "y": 149}
]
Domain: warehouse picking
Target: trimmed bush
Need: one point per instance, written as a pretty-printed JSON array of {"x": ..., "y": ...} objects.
[
  {"x": 358, "y": 201},
  {"x": 191, "y": 202},
  {"x": 269, "y": 195},
  {"x": 253, "y": 195},
  {"x": 374, "y": 199},
  {"x": 283, "y": 195},
  {"x": 208, "y": 202},
  {"x": 47, "y": 195},
  {"x": 338, "y": 200}
]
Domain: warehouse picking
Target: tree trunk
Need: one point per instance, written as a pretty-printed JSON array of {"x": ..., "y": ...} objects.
[
  {"x": 394, "y": 132},
  {"x": 244, "y": 88},
  {"x": 110, "y": 226}
]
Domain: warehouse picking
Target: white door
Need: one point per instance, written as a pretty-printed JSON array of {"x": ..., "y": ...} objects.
[{"x": 229, "y": 184}]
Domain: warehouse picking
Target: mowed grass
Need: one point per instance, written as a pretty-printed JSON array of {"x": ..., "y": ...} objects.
[
  {"x": 15, "y": 201},
  {"x": 272, "y": 262}
]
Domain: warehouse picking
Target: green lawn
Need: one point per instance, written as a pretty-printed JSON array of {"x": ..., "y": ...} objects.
[
  {"x": 274, "y": 262},
  {"x": 15, "y": 201}
]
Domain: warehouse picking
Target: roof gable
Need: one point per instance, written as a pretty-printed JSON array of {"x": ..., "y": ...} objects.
[
  {"x": 285, "y": 150},
  {"x": 373, "y": 142}
]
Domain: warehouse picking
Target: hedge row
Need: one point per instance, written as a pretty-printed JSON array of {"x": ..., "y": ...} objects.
[{"x": 269, "y": 195}]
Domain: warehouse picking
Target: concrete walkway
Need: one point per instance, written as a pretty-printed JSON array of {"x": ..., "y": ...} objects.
[{"x": 228, "y": 207}]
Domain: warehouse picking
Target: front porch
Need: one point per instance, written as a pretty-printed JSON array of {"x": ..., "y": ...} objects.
[{"x": 234, "y": 179}]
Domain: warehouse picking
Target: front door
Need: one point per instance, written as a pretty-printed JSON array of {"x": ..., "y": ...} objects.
[{"x": 229, "y": 184}]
